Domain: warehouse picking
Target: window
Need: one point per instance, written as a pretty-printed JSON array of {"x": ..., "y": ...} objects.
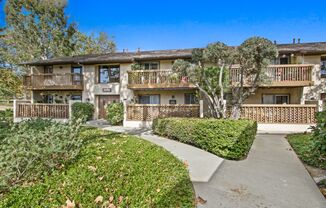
[
  {"x": 151, "y": 66},
  {"x": 323, "y": 96},
  {"x": 275, "y": 99},
  {"x": 284, "y": 60},
  {"x": 149, "y": 99},
  {"x": 76, "y": 69},
  {"x": 75, "y": 97},
  {"x": 190, "y": 98},
  {"x": 76, "y": 75},
  {"x": 108, "y": 74},
  {"x": 323, "y": 67},
  {"x": 48, "y": 69}
]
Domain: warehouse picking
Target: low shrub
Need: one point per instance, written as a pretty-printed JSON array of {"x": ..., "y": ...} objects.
[
  {"x": 304, "y": 147},
  {"x": 229, "y": 139},
  {"x": 319, "y": 135},
  {"x": 34, "y": 148},
  {"x": 82, "y": 111},
  {"x": 117, "y": 169},
  {"x": 114, "y": 112},
  {"x": 6, "y": 120}
]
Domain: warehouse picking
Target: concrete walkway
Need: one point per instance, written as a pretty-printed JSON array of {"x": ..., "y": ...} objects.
[
  {"x": 271, "y": 177},
  {"x": 201, "y": 164}
]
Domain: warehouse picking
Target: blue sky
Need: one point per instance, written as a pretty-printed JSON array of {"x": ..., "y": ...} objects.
[{"x": 186, "y": 24}]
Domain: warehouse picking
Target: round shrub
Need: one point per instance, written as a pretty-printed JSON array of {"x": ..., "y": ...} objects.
[
  {"x": 83, "y": 111},
  {"x": 114, "y": 112}
]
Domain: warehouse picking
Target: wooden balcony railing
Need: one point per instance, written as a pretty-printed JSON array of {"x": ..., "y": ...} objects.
[
  {"x": 146, "y": 112},
  {"x": 291, "y": 114},
  {"x": 281, "y": 75},
  {"x": 141, "y": 79},
  {"x": 68, "y": 81},
  {"x": 29, "y": 110}
]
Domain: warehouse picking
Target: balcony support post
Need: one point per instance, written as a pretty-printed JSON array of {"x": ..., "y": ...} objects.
[{"x": 201, "y": 108}]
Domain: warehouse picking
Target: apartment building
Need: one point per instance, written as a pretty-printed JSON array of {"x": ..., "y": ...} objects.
[{"x": 298, "y": 78}]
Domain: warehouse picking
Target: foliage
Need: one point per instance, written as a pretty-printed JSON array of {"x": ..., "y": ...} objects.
[
  {"x": 303, "y": 145},
  {"x": 82, "y": 111},
  {"x": 10, "y": 84},
  {"x": 253, "y": 57},
  {"x": 114, "y": 112},
  {"x": 92, "y": 44},
  {"x": 319, "y": 135},
  {"x": 114, "y": 169},
  {"x": 6, "y": 120},
  {"x": 40, "y": 30},
  {"x": 137, "y": 66},
  {"x": 210, "y": 67},
  {"x": 229, "y": 139},
  {"x": 34, "y": 149}
]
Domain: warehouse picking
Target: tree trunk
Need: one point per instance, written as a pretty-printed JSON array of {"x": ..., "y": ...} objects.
[{"x": 236, "y": 111}]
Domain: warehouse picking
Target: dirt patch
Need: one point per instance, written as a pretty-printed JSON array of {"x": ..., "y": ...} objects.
[{"x": 319, "y": 176}]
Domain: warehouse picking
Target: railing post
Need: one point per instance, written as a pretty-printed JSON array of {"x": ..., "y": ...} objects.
[
  {"x": 124, "y": 111},
  {"x": 70, "y": 108},
  {"x": 201, "y": 108},
  {"x": 320, "y": 106},
  {"x": 14, "y": 110}
]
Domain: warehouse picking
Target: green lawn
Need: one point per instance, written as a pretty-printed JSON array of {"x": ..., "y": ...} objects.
[
  {"x": 125, "y": 170},
  {"x": 302, "y": 145}
]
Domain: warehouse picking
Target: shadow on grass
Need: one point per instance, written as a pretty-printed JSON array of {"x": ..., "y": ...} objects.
[{"x": 181, "y": 195}]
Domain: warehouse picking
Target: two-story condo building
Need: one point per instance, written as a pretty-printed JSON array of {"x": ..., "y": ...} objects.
[{"x": 298, "y": 80}]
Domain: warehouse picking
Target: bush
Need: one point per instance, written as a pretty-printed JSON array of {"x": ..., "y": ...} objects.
[
  {"x": 114, "y": 112},
  {"x": 6, "y": 120},
  {"x": 319, "y": 133},
  {"x": 82, "y": 111},
  {"x": 134, "y": 172},
  {"x": 34, "y": 149},
  {"x": 303, "y": 145},
  {"x": 230, "y": 139}
]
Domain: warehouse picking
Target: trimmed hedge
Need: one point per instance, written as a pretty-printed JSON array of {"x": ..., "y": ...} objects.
[
  {"x": 230, "y": 139},
  {"x": 83, "y": 111},
  {"x": 114, "y": 113}
]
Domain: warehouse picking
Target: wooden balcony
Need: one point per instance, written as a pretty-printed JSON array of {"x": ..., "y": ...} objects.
[
  {"x": 281, "y": 75},
  {"x": 68, "y": 81},
  {"x": 148, "y": 112},
  {"x": 156, "y": 79}
]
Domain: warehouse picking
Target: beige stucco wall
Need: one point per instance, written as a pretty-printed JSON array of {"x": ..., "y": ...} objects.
[
  {"x": 165, "y": 96},
  {"x": 294, "y": 92},
  {"x": 313, "y": 92}
]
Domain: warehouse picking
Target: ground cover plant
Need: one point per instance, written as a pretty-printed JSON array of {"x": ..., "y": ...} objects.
[{"x": 110, "y": 170}]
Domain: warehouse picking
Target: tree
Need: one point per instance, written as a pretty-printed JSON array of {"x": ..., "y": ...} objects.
[
  {"x": 10, "y": 84},
  {"x": 209, "y": 74},
  {"x": 211, "y": 66},
  {"x": 253, "y": 57},
  {"x": 39, "y": 29},
  {"x": 100, "y": 44}
]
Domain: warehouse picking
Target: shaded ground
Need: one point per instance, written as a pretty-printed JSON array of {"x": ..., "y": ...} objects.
[{"x": 271, "y": 177}]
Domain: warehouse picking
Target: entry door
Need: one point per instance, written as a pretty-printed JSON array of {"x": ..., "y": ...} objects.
[{"x": 103, "y": 101}]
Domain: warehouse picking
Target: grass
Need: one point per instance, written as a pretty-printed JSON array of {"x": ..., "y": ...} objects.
[
  {"x": 125, "y": 170},
  {"x": 302, "y": 145}
]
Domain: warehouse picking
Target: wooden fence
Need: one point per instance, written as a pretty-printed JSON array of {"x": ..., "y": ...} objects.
[
  {"x": 290, "y": 114},
  {"x": 29, "y": 110},
  {"x": 148, "y": 112}
]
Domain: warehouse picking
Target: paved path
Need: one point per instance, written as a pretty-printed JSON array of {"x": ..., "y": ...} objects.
[
  {"x": 201, "y": 164},
  {"x": 271, "y": 177}
]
